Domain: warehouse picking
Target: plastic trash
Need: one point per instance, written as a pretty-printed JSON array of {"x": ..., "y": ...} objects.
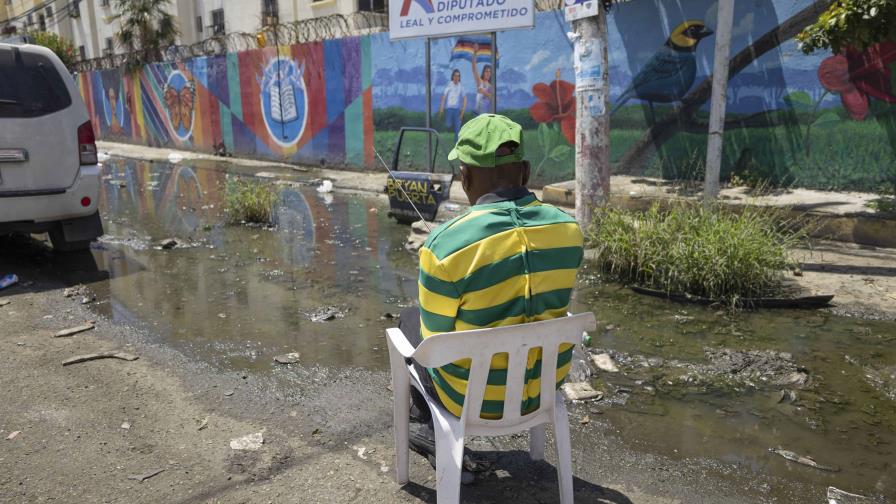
[
  {"x": 8, "y": 280},
  {"x": 102, "y": 156},
  {"x": 325, "y": 187},
  {"x": 174, "y": 157}
]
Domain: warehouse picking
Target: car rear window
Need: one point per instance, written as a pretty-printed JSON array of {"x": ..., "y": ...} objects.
[{"x": 30, "y": 86}]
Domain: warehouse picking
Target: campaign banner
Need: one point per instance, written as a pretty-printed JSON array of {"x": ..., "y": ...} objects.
[{"x": 441, "y": 18}]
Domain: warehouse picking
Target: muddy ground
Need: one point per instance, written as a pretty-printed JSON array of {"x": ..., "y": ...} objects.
[{"x": 85, "y": 429}]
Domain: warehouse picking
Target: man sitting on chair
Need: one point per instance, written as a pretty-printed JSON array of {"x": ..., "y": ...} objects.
[{"x": 510, "y": 259}]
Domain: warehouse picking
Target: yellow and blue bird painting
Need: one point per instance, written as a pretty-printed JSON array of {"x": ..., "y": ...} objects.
[{"x": 670, "y": 72}]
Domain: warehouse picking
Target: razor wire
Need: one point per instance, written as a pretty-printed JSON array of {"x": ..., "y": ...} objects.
[{"x": 296, "y": 32}]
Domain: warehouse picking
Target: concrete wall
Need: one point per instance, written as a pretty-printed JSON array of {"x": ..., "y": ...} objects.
[{"x": 818, "y": 121}]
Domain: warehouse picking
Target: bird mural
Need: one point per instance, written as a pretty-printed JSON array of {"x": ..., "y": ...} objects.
[{"x": 669, "y": 73}]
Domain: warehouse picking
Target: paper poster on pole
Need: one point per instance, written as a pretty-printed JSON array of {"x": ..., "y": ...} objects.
[
  {"x": 441, "y": 18},
  {"x": 587, "y": 65},
  {"x": 578, "y": 9}
]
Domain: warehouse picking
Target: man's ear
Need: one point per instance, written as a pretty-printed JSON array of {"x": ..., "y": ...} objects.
[
  {"x": 526, "y": 171},
  {"x": 464, "y": 177}
]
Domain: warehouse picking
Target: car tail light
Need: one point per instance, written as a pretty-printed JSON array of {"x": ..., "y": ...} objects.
[{"x": 86, "y": 144}]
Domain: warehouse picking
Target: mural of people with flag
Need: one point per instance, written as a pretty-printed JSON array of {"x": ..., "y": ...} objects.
[
  {"x": 453, "y": 104},
  {"x": 478, "y": 49}
]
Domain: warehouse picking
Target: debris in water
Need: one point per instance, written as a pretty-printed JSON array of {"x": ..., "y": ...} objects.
[
  {"x": 247, "y": 442},
  {"x": 585, "y": 420},
  {"x": 97, "y": 356},
  {"x": 604, "y": 362},
  {"x": 837, "y": 496},
  {"x": 290, "y": 358},
  {"x": 326, "y": 313},
  {"x": 8, "y": 281},
  {"x": 203, "y": 424},
  {"x": 801, "y": 459},
  {"x": 168, "y": 243},
  {"x": 228, "y": 393},
  {"x": 325, "y": 186},
  {"x": 12, "y": 435},
  {"x": 360, "y": 450},
  {"x": 126, "y": 425},
  {"x": 87, "y": 299},
  {"x": 582, "y": 391},
  {"x": 390, "y": 316},
  {"x": 74, "y": 330},
  {"x": 140, "y": 478}
]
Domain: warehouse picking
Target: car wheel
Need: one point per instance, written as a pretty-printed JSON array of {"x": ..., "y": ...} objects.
[{"x": 60, "y": 244}]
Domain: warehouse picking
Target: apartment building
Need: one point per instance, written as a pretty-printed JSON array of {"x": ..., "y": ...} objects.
[{"x": 91, "y": 27}]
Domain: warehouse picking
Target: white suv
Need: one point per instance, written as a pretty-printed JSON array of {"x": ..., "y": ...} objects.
[{"x": 49, "y": 175}]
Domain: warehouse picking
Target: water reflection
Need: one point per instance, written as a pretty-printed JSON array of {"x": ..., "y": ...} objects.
[{"x": 241, "y": 294}]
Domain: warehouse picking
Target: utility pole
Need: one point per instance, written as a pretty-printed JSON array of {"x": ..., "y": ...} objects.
[
  {"x": 591, "y": 63},
  {"x": 724, "y": 23}
]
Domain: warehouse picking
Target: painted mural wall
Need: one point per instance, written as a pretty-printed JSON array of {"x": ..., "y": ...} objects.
[{"x": 820, "y": 120}]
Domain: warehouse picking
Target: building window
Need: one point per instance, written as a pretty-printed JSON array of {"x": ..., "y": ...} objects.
[
  {"x": 74, "y": 9},
  {"x": 110, "y": 48},
  {"x": 82, "y": 53},
  {"x": 199, "y": 27},
  {"x": 42, "y": 22},
  {"x": 29, "y": 20},
  {"x": 270, "y": 12},
  {"x": 372, "y": 5},
  {"x": 104, "y": 3},
  {"x": 49, "y": 12},
  {"x": 218, "y": 22}
]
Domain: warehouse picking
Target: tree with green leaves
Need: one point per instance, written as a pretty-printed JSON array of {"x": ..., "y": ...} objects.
[
  {"x": 62, "y": 47},
  {"x": 146, "y": 28},
  {"x": 851, "y": 24}
]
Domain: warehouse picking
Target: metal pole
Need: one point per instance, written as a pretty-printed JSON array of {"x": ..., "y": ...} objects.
[
  {"x": 592, "y": 117},
  {"x": 494, "y": 73},
  {"x": 429, "y": 160},
  {"x": 719, "y": 98}
]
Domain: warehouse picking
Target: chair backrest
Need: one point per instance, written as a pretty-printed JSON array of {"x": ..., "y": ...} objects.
[{"x": 481, "y": 344}]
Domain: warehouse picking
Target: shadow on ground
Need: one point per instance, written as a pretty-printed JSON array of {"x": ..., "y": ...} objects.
[{"x": 39, "y": 268}]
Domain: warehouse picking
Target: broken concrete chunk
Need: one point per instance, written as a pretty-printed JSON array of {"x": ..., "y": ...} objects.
[
  {"x": 12, "y": 435},
  {"x": 248, "y": 442},
  {"x": 73, "y": 330},
  {"x": 290, "y": 358},
  {"x": 605, "y": 363},
  {"x": 4, "y": 302},
  {"x": 582, "y": 391}
]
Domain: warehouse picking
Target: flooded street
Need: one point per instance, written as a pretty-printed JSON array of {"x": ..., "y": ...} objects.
[{"x": 235, "y": 296}]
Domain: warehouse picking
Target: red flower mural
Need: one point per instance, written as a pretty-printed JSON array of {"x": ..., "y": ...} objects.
[
  {"x": 860, "y": 75},
  {"x": 556, "y": 103}
]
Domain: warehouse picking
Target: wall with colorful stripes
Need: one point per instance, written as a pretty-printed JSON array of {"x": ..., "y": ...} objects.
[{"x": 305, "y": 103}]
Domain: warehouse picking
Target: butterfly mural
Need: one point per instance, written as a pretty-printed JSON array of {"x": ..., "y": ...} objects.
[{"x": 179, "y": 95}]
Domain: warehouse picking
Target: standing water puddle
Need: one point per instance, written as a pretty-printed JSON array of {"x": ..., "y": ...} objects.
[{"x": 239, "y": 295}]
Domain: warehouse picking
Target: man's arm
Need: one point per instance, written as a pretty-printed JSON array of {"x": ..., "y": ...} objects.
[{"x": 438, "y": 296}]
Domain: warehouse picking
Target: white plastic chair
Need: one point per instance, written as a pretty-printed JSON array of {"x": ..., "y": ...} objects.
[{"x": 480, "y": 345}]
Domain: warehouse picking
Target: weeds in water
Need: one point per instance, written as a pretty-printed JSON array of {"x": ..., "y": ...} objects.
[
  {"x": 250, "y": 201},
  {"x": 708, "y": 251}
]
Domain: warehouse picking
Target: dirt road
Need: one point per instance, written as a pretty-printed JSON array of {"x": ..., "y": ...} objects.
[{"x": 86, "y": 431}]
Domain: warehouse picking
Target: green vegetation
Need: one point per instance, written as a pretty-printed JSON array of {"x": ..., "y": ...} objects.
[
  {"x": 851, "y": 23},
  {"x": 63, "y": 48},
  {"x": 146, "y": 27},
  {"x": 250, "y": 201},
  {"x": 712, "y": 252}
]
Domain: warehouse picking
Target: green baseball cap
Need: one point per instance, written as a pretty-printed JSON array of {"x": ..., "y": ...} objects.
[{"x": 479, "y": 139}]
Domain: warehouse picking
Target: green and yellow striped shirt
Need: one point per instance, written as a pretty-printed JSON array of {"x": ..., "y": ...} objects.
[{"x": 502, "y": 263}]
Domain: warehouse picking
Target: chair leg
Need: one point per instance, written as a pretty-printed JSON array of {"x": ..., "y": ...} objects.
[
  {"x": 401, "y": 422},
  {"x": 449, "y": 458},
  {"x": 536, "y": 442},
  {"x": 564, "y": 450}
]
